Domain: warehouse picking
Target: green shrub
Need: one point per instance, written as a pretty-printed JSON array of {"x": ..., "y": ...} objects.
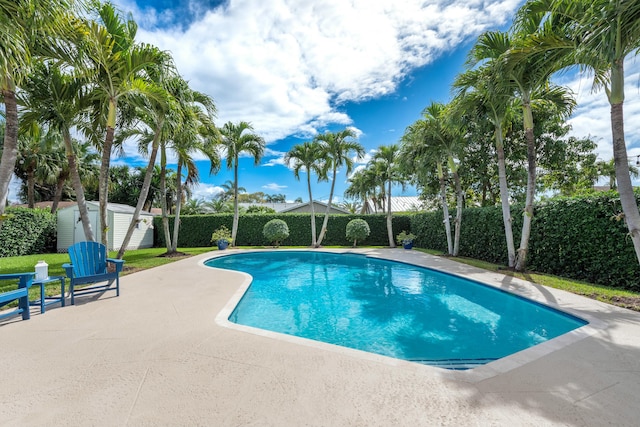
[
  {"x": 357, "y": 229},
  {"x": 27, "y": 231},
  {"x": 222, "y": 233},
  {"x": 276, "y": 231}
]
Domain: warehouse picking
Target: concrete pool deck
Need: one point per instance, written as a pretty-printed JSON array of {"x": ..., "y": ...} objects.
[{"x": 162, "y": 354}]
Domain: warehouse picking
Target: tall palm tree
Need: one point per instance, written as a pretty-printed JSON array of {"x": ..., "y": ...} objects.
[
  {"x": 34, "y": 157},
  {"x": 423, "y": 143},
  {"x": 58, "y": 100},
  {"x": 236, "y": 139},
  {"x": 118, "y": 68},
  {"x": 529, "y": 81},
  {"x": 308, "y": 155},
  {"x": 386, "y": 160},
  {"x": 197, "y": 133},
  {"x": 485, "y": 92},
  {"x": 362, "y": 186},
  {"x": 596, "y": 35},
  {"x": 338, "y": 147},
  {"x": 29, "y": 29}
]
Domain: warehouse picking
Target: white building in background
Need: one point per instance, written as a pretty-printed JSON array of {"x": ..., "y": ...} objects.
[
  {"x": 398, "y": 204},
  {"x": 119, "y": 217}
]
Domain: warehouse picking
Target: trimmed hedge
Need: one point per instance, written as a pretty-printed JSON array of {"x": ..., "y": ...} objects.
[
  {"x": 582, "y": 238},
  {"x": 195, "y": 230},
  {"x": 27, "y": 231}
]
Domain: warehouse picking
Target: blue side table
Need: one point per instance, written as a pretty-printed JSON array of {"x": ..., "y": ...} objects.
[{"x": 44, "y": 301}]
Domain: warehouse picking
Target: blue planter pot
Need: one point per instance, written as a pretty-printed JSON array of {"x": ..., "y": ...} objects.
[
  {"x": 222, "y": 244},
  {"x": 407, "y": 245}
]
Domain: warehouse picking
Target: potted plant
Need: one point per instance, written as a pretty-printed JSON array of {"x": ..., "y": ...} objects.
[
  {"x": 222, "y": 237},
  {"x": 406, "y": 239}
]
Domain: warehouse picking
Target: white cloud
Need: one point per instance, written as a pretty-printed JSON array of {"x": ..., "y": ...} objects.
[
  {"x": 205, "y": 191},
  {"x": 274, "y": 187},
  {"x": 592, "y": 117},
  {"x": 287, "y": 65}
]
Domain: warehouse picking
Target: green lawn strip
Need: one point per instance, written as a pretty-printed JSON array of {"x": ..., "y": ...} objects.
[{"x": 609, "y": 294}]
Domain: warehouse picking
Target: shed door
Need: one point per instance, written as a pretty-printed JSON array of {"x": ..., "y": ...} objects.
[{"x": 78, "y": 231}]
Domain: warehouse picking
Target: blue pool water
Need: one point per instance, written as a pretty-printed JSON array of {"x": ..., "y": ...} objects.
[{"x": 389, "y": 308}]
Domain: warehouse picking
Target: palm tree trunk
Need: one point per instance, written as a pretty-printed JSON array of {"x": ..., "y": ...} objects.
[
  {"x": 445, "y": 209},
  {"x": 504, "y": 197},
  {"x": 58, "y": 193},
  {"x": 521, "y": 258},
  {"x": 313, "y": 213},
  {"x": 176, "y": 218},
  {"x": 459, "y": 207},
  {"x": 323, "y": 230},
  {"x": 76, "y": 182},
  {"x": 236, "y": 213},
  {"x": 144, "y": 191},
  {"x": 392, "y": 242},
  {"x": 625, "y": 188},
  {"x": 163, "y": 193},
  {"x": 10, "y": 148},
  {"x": 103, "y": 188},
  {"x": 31, "y": 184}
]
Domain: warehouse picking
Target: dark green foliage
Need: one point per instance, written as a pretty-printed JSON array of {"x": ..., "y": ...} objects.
[
  {"x": 583, "y": 238},
  {"x": 27, "y": 231},
  {"x": 195, "y": 231}
]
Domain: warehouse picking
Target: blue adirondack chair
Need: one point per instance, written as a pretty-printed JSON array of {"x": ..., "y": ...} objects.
[
  {"x": 89, "y": 266},
  {"x": 21, "y": 294}
]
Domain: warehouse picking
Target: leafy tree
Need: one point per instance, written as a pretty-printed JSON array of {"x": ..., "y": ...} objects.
[
  {"x": 276, "y": 231},
  {"x": 357, "y": 229}
]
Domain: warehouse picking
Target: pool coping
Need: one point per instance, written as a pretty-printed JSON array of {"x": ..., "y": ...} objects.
[{"x": 477, "y": 374}]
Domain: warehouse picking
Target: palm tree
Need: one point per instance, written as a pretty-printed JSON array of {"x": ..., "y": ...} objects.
[
  {"x": 529, "y": 80},
  {"x": 358, "y": 188},
  {"x": 239, "y": 138},
  {"x": 196, "y": 133},
  {"x": 58, "y": 100},
  {"x": 484, "y": 92},
  {"x": 34, "y": 158},
  {"x": 308, "y": 155},
  {"x": 117, "y": 66},
  {"x": 423, "y": 143},
  {"x": 29, "y": 28},
  {"x": 597, "y": 35},
  {"x": 386, "y": 159},
  {"x": 337, "y": 148}
]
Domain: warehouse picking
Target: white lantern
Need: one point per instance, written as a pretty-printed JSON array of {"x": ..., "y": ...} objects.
[{"x": 42, "y": 270}]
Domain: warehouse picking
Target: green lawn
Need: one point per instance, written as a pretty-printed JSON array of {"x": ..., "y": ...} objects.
[
  {"x": 608, "y": 294},
  {"x": 148, "y": 258},
  {"x": 135, "y": 260}
]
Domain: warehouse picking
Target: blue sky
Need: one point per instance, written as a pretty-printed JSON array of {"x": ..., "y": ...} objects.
[{"x": 296, "y": 68}]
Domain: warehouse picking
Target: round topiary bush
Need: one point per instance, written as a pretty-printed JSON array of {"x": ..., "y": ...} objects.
[
  {"x": 276, "y": 231},
  {"x": 357, "y": 229}
]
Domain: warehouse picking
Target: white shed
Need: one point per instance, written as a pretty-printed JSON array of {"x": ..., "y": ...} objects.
[{"x": 119, "y": 216}]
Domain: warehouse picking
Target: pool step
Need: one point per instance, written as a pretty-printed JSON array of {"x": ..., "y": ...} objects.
[{"x": 455, "y": 364}]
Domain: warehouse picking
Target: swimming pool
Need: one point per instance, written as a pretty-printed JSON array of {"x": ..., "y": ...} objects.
[{"x": 389, "y": 308}]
